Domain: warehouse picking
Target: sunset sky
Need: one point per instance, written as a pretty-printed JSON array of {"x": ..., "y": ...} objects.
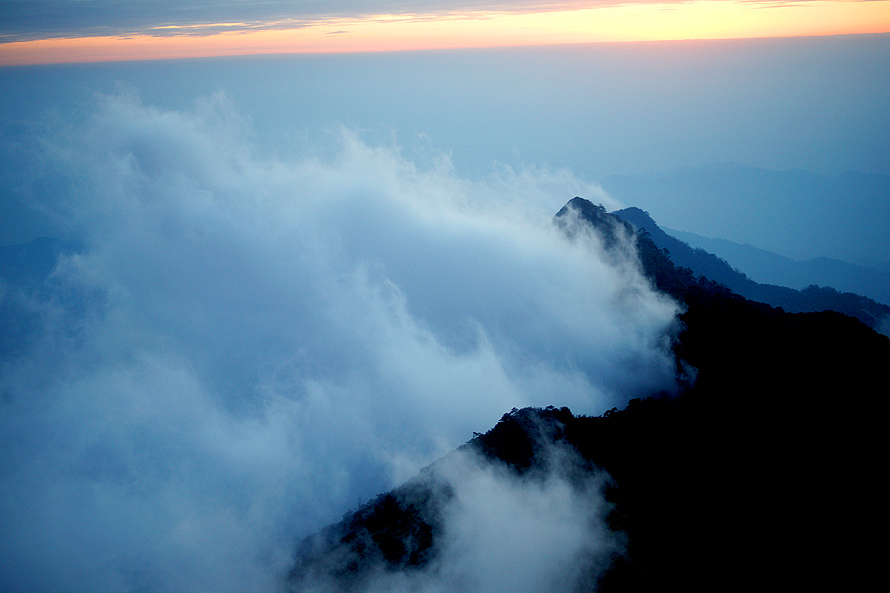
[{"x": 57, "y": 31}]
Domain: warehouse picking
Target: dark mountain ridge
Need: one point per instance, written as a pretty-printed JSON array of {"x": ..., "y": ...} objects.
[
  {"x": 762, "y": 473},
  {"x": 765, "y": 466},
  {"x": 810, "y": 299},
  {"x": 869, "y": 278}
]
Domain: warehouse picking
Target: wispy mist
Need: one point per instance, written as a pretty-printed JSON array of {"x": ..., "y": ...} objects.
[
  {"x": 495, "y": 530},
  {"x": 248, "y": 346}
]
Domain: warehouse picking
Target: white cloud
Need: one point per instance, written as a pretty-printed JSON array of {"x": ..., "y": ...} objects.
[
  {"x": 500, "y": 531},
  {"x": 506, "y": 533},
  {"x": 247, "y": 346}
]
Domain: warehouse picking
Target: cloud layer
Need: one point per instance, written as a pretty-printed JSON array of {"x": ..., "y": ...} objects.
[{"x": 247, "y": 346}]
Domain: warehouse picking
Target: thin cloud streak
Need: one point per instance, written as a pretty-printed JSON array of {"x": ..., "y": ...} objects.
[
  {"x": 26, "y": 20},
  {"x": 702, "y": 19}
]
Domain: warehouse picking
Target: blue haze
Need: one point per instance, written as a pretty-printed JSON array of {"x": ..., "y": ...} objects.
[{"x": 816, "y": 104}]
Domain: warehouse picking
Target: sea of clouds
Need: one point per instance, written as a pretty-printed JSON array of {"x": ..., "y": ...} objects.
[{"x": 247, "y": 345}]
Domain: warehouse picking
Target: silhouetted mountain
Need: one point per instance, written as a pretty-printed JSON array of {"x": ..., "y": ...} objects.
[
  {"x": 763, "y": 473},
  {"x": 810, "y": 299},
  {"x": 402, "y": 530},
  {"x": 610, "y": 228},
  {"x": 871, "y": 279}
]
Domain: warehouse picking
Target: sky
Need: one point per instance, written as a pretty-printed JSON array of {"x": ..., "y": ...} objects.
[
  {"x": 52, "y": 31},
  {"x": 581, "y": 112},
  {"x": 302, "y": 277}
]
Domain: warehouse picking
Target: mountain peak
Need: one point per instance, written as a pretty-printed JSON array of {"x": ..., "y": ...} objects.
[{"x": 606, "y": 225}]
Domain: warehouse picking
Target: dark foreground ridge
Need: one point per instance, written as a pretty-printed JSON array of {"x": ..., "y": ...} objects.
[
  {"x": 811, "y": 299},
  {"x": 765, "y": 472}
]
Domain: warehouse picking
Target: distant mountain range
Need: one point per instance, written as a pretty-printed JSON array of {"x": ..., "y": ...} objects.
[
  {"x": 763, "y": 472},
  {"x": 871, "y": 278},
  {"x": 810, "y": 299},
  {"x": 798, "y": 214}
]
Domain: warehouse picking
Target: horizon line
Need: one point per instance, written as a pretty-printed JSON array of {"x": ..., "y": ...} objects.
[
  {"x": 698, "y": 20},
  {"x": 336, "y": 52}
]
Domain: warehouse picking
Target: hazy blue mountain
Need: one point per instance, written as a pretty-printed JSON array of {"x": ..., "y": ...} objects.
[
  {"x": 795, "y": 213},
  {"x": 702, "y": 263},
  {"x": 874, "y": 264},
  {"x": 767, "y": 267}
]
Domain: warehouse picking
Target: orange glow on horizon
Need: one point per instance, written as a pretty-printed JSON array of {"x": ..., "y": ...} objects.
[{"x": 701, "y": 19}]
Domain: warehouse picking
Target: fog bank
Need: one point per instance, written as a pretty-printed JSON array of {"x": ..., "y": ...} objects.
[{"x": 248, "y": 345}]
